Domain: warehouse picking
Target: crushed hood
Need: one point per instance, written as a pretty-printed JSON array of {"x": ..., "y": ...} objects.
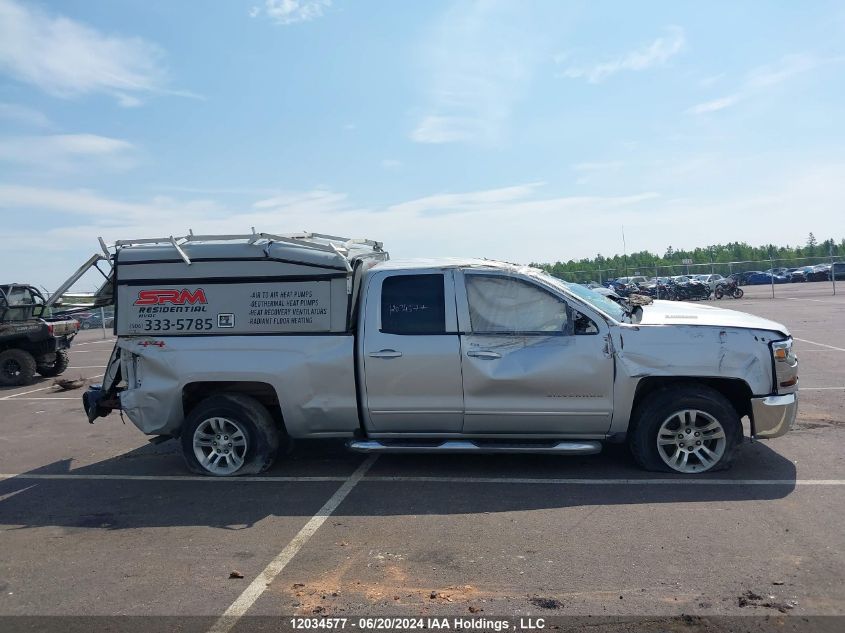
[{"x": 686, "y": 313}]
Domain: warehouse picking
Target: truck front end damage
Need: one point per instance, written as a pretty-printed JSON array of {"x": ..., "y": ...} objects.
[
  {"x": 716, "y": 346},
  {"x": 773, "y": 415}
]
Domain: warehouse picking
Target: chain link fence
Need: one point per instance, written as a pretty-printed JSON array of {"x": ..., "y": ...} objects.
[{"x": 821, "y": 273}]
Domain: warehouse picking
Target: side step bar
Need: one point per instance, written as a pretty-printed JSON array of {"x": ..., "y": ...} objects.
[{"x": 586, "y": 447}]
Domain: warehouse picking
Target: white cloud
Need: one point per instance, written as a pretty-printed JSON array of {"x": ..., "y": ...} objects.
[
  {"x": 660, "y": 51},
  {"x": 103, "y": 211},
  {"x": 764, "y": 77},
  {"x": 464, "y": 202},
  {"x": 430, "y": 226},
  {"x": 715, "y": 105},
  {"x": 66, "y": 58},
  {"x": 476, "y": 64},
  {"x": 23, "y": 114},
  {"x": 66, "y": 151},
  {"x": 449, "y": 129},
  {"x": 315, "y": 201},
  {"x": 518, "y": 223},
  {"x": 291, "y": 11}
]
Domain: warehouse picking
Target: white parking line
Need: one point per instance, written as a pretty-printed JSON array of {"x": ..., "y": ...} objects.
[
  {"x": 803, "y": 340},
  {"x": 107, "y": 340},
  {"x": 613, "y": 482},
  {"x": 258, "y": 586},
  {"x": 816, "y": 300},
  {"x": 89, "y": 367},
  {"x": 23, "y": 393},
  {"x": 71, "y": 476},
  {"x": 669, "y": 481},
  {"x": 45, "y": 398}
]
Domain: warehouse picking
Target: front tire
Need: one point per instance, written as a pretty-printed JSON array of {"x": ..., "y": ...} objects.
[
  {"x": 17, "y": 367},
  {"x": 229, "y": 435},
  {"x": 56, "y": 366},
  {"x": 686, "y": 429},
  {"x": 739, "y": 293}
]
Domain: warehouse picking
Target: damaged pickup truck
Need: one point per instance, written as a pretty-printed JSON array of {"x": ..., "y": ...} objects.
[{"x": 232, "y": 344}]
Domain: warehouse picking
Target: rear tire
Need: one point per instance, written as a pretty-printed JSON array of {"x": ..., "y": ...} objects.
[
  {"x": 17, "y": 367},
  {"x": 229, "y": 435},
  {"x": 664, "y": 427},
  {"x": 56, "y": 367},
  {"x": 718, "y": 293}
]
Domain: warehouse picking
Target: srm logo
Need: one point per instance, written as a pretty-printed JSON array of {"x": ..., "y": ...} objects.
[{"x": 175, "y": 297}]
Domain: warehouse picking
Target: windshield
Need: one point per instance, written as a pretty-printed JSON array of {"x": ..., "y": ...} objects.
[{"x": 590, "y": 297}]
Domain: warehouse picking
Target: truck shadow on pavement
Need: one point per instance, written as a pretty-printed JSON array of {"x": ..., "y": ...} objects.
[{"x": 163, "y": 499}]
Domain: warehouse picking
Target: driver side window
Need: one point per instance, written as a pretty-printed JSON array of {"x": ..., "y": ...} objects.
[{"x": 499, "y": 304}]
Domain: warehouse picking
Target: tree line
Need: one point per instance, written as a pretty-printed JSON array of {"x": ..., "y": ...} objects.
[{"x": 717, "y": 256}]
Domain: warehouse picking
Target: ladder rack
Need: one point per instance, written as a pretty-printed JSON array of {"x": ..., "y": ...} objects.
[
  {"x": 317, "y": 241},
  {"x": 341, "y": 246}
]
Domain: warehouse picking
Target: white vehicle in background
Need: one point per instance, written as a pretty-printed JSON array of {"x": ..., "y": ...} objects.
[{"x": 712, "y": 280}]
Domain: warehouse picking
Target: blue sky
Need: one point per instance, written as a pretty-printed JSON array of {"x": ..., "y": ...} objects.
[{"x": 526, "y": 131}]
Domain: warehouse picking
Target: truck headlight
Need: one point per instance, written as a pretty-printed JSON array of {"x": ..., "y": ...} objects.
[
  {"x": 782, "y": 351},
  {"x": 785, "y": 366}
]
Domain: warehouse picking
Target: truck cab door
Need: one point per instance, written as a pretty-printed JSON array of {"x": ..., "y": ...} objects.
[
  {"x": 410, "y": 354},
  {"x": 527, "y": 368}
]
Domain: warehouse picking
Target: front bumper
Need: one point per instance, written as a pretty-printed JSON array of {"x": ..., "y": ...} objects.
[{"x": 773, "y": 416}]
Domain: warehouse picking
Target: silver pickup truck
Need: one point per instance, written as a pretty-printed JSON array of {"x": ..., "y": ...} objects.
[{"x": 233, "y": 344}]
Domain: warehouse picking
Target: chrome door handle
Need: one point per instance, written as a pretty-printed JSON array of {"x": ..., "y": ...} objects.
[
  {"x": 386, "y": 353},
  {"x": 483, "y": 354}
]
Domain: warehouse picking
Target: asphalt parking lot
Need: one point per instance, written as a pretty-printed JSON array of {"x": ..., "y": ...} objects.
[{"x": 94, "y": 520}]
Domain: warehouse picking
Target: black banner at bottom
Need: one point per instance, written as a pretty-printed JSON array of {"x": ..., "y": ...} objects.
[{"x": 485, "y": 624}]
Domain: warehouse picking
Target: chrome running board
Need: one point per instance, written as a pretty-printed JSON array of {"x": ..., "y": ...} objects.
[{"x": 586, "y": 447}]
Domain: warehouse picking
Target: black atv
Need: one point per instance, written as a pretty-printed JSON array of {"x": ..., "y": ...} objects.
[{"x": 30, "y": 341}]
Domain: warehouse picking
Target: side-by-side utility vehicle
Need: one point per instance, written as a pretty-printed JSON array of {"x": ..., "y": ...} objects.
[
  {"x": 234, "y": 343},
  {"x": 31, "y": 341}
]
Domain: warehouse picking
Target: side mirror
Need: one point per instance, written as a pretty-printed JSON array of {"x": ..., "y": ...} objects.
[
  {"x": 637, "y": 314},
  {"x": 569, "y": 327}
]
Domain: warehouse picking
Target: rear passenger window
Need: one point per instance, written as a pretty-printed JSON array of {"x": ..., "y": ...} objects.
[{"x": 413, "y": 304}]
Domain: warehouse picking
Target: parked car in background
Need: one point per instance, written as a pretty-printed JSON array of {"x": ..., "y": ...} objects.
[
  {"x": 766, "y": 278},
  {"x": 742, "y": 278},
  {"x": 626, "y": 285},
  {"x": 627, "y": 281},
  {"x": 780, "y": 272},
  {"x": 94, "y": 321},
  {"x": 712, "y": 280},
  {"x": 799, "y": 275}
]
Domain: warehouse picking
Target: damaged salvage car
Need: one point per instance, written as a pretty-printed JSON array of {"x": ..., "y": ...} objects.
[{"x": 233, "y": 344}]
